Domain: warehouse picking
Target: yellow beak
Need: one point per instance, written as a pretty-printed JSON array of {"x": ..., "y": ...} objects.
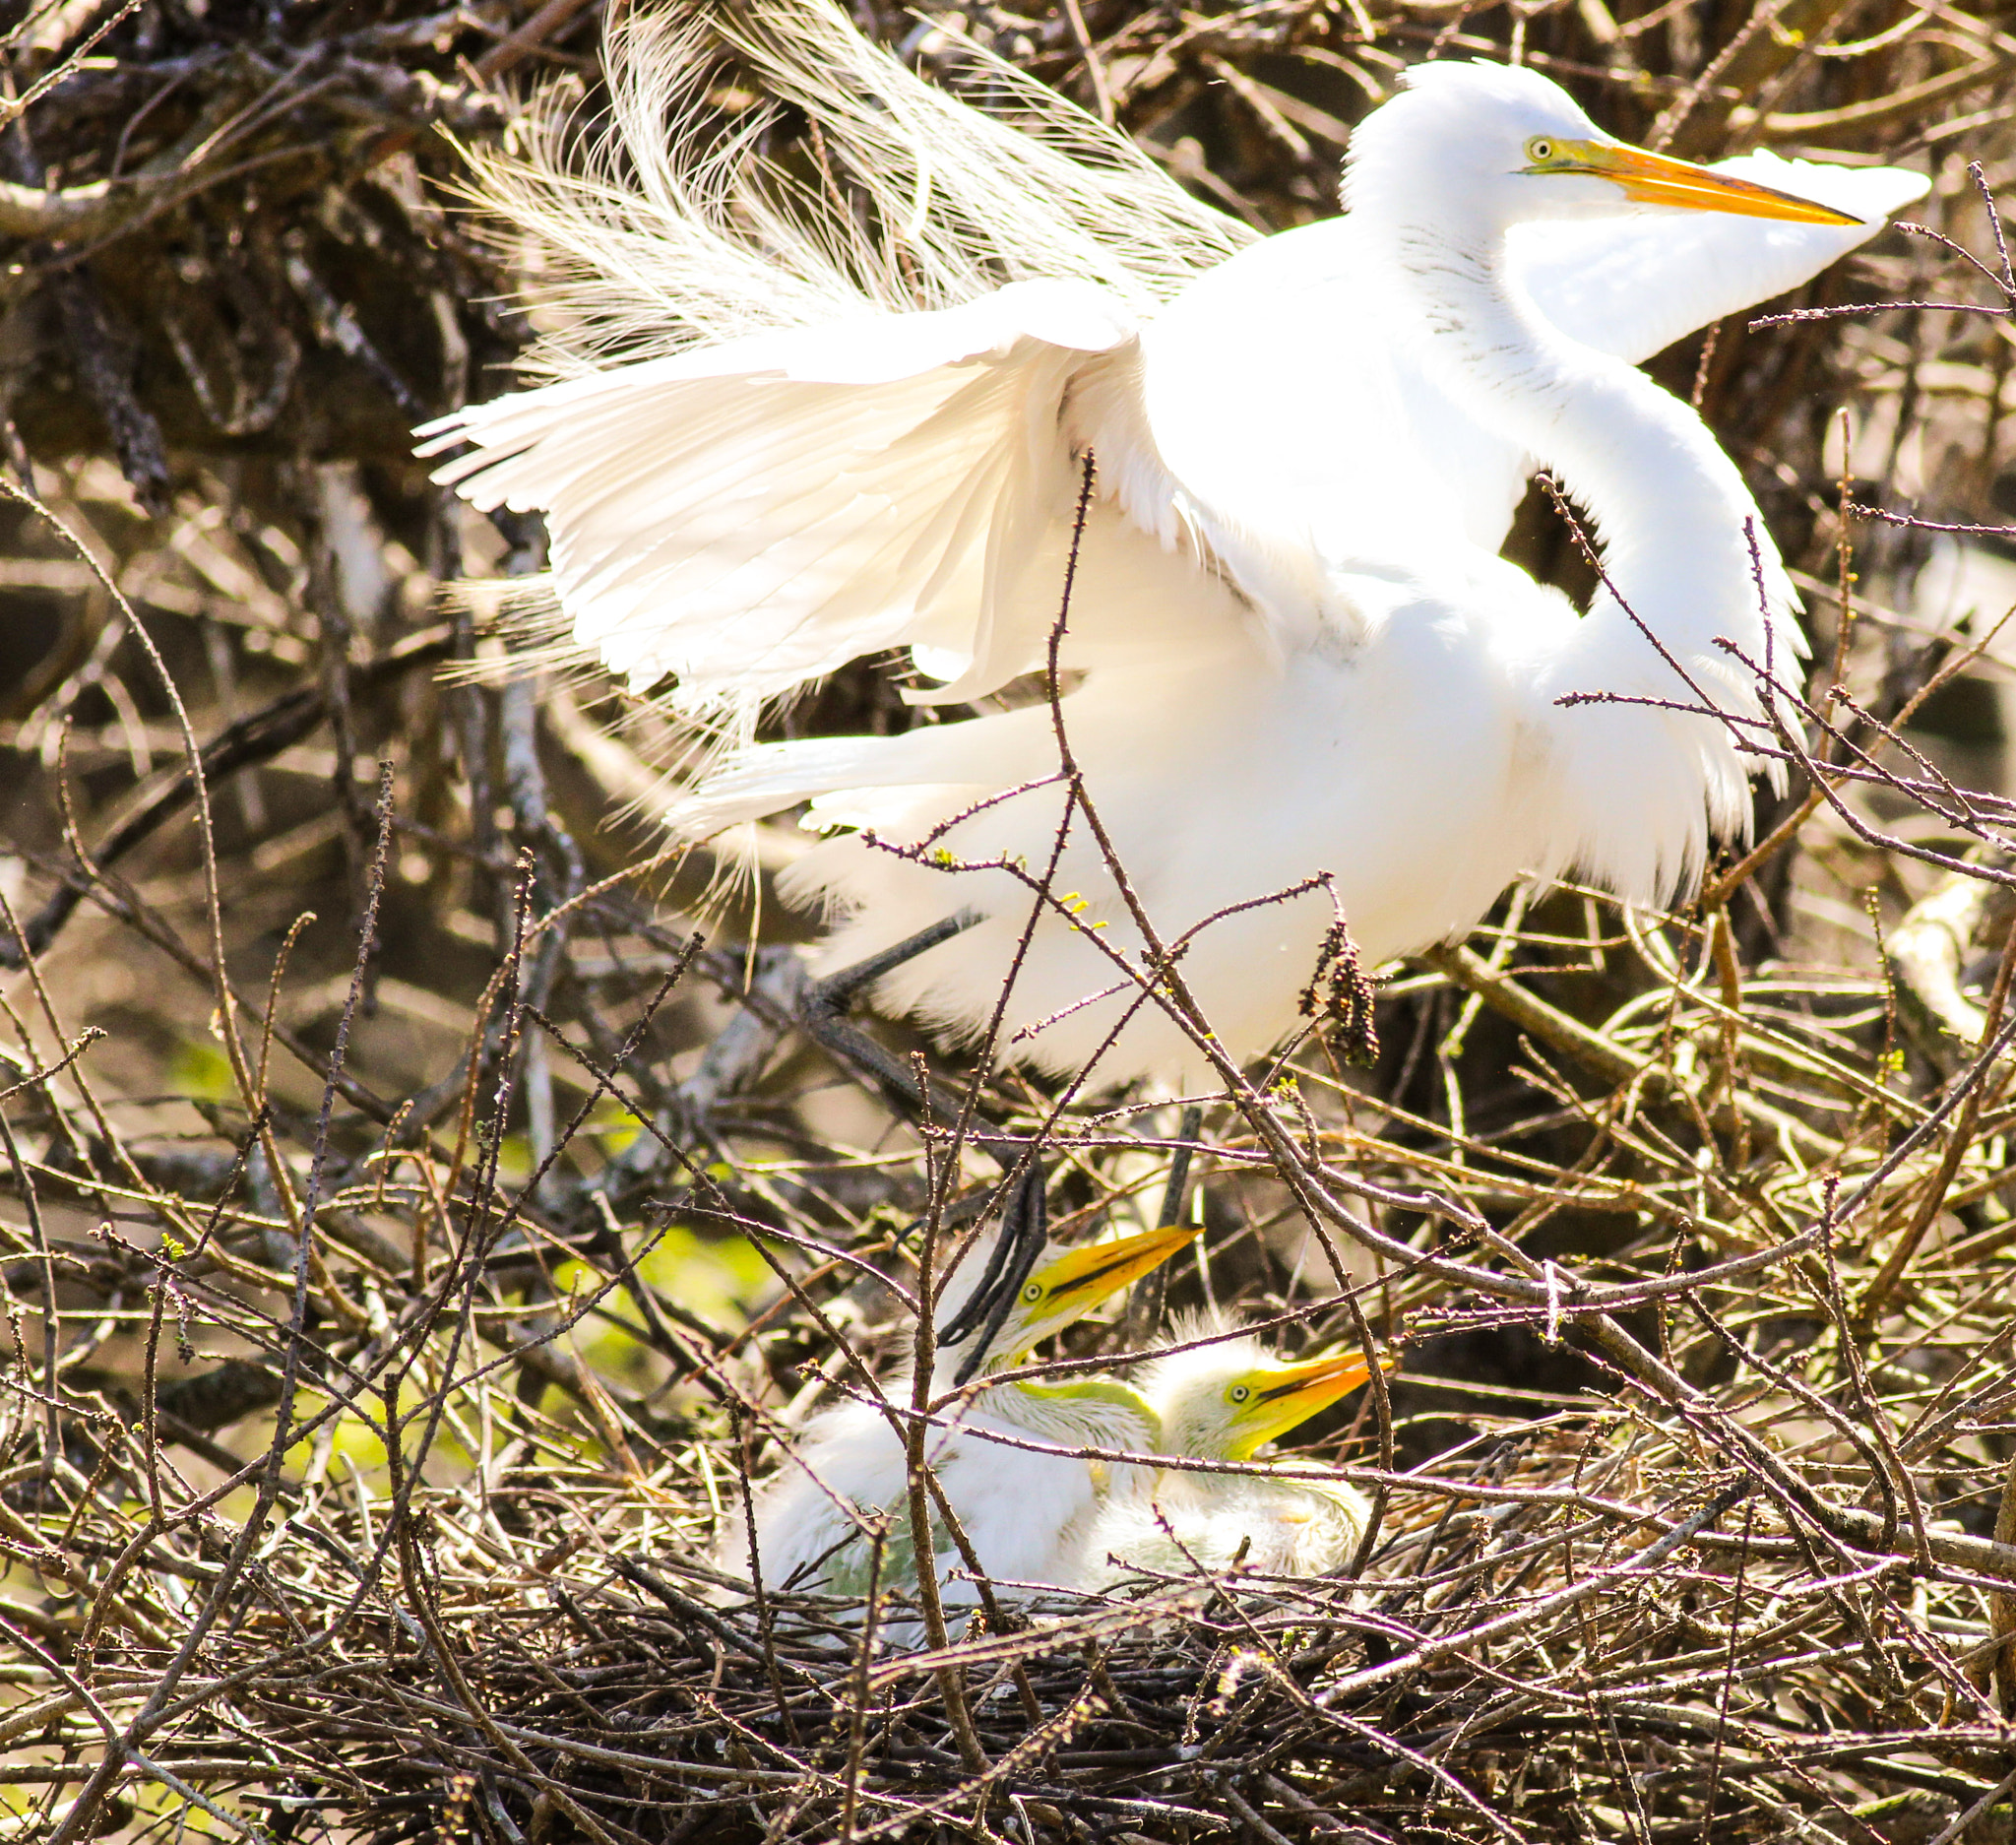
[
  {"x": 1076, "y": 1281},
  {"x": 1652, "y": 179},
  {"x": 1293, "y": 1393}
]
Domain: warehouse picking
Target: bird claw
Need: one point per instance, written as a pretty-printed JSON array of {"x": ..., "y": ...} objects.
[{"x": 825, "y": 1004}]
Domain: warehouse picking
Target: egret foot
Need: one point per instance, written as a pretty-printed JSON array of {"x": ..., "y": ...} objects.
[
  {"x": 1024, "y": 1218},
  {"x": 1024, "y": 1229},
  {"x": 824, "y": 1007}
]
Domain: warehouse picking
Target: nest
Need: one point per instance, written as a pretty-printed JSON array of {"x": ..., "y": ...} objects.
[{"x": 401, "y": 1296}]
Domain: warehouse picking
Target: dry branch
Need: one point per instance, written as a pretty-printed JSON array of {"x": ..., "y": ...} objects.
[{"x": 392, "y": 1297}]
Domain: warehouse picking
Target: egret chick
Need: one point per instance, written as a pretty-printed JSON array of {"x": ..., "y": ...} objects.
[
  {"x": 1226, "y": 1402},
  {"x": 1015, "y": 1505}
]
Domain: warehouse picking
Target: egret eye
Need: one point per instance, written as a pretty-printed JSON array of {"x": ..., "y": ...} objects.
[
  {"x": 1034, "y": 1292},
  {"x": 1239, "y": 1394},
  {"x": 1540, "y": 150}
]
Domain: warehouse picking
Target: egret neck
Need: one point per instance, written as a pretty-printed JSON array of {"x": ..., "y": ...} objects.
[
  {"x": 1667, "y": 504},
  {"x": 1634, "y": 794}
]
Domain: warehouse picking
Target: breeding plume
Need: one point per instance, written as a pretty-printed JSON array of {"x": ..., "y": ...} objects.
[
  {"x": 1023, "y": 1510},
  {"x": 1227, "y": 1401},
  {"x": 775, "y": 443}
]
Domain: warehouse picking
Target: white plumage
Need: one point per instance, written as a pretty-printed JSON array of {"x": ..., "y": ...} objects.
[
  {"x": 1023, "y": 1511},
  {"x": 1292, "y": 644},
  {"x": 1226, "y": 1401}
]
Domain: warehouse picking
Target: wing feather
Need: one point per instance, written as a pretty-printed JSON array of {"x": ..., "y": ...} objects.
[{"x": 752, "y": 515}]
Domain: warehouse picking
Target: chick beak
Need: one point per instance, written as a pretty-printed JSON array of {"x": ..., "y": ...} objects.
[
  {"x": 1652, "y": 179},
  {"x": 1080, "y": 1279},
  {"x": 1297, "y": 1392}
]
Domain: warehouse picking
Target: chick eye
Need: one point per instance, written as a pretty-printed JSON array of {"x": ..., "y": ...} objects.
[
  {"x": 1239, "y": 1394},
  {"x": 1034, "y": 1292},
  {"x": 1540, "y": 150}
]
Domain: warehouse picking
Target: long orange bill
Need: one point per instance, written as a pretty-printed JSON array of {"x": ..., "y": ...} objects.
[
  {"x": 1652, "y": 179},
  {"x": 1297, "y": 1392}
]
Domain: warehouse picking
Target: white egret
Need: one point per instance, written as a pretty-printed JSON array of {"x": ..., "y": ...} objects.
[
  {"x": 1227, "y": 1401},
  {"x": 1016, "y": 1506},
  {"x": 1295, "y": 647}
]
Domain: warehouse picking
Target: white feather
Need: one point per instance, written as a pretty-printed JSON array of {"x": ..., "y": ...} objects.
[
  {"x": 1632, "y": 289},
  {"x": 1177, "y": 1520},
  {"x": 1299, "y": 651}
]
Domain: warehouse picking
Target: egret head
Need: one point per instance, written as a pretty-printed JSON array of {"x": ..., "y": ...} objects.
[
  {"x": 1470, "y": 149},
  {"x": 1227, "y": 1401},
  {"x": 1065, "y": 1285}
]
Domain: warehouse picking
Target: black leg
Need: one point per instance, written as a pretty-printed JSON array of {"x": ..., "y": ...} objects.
[
  {"x": 1025, "y": 1229},
  {"x": 1187, "y": 1130},
  {"x": 982, "y": 1300},
  {"x": 823, "y": 1012},
  {"x": 1155, "y": 1288},
  {"x": 1025, "y": 1214}
]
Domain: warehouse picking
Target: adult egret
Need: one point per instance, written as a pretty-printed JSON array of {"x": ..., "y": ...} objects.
[
  {"x": 1015, "y": 1505},
  {"x": 1294, "y": 648},
  {"x": 1226, "y": 1401}
]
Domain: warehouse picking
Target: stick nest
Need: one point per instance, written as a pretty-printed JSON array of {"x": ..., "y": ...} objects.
[{"x": 418, "y": 1224}]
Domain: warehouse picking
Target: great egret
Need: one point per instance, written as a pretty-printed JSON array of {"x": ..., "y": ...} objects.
[
  {"x": 1017, "y": 1506},
  {"x": 1295, "y": 648},
  {"x": 1225, "y": 1402}
]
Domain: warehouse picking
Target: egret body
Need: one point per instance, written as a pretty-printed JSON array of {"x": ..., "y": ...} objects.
[
  {"x": 1227, "y": 1401},
  {"x": 1292, "y": 648},
  {"x": 1015, "y": 1505}
]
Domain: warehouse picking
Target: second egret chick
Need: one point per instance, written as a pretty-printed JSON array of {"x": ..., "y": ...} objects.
[
  {"x": 1016, "y": 1506},
  {"x": 1226, "y": 1402}
]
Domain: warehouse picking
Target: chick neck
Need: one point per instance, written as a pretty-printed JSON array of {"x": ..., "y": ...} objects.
[{"x": 1085, "y": 1412}]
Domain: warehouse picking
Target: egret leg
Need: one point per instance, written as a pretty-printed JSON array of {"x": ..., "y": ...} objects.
[
  {"x": 824, "y": 1009},
  {"x": 1025, "y": 1216},
  {"x": 1187, "y": 1130},
  {"x": 1154, "y": 1287},
  {"x": 980, "y": 1302},
  {"x": 1025, "y": 1229}
]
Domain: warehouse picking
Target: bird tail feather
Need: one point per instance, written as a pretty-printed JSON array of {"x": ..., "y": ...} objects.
[{"x": 674, "y": 222}]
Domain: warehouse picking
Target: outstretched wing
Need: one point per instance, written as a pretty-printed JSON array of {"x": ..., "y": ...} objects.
[
  {"x": 751, "y": 515},
  {"x": 1634, "y": 285}
]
